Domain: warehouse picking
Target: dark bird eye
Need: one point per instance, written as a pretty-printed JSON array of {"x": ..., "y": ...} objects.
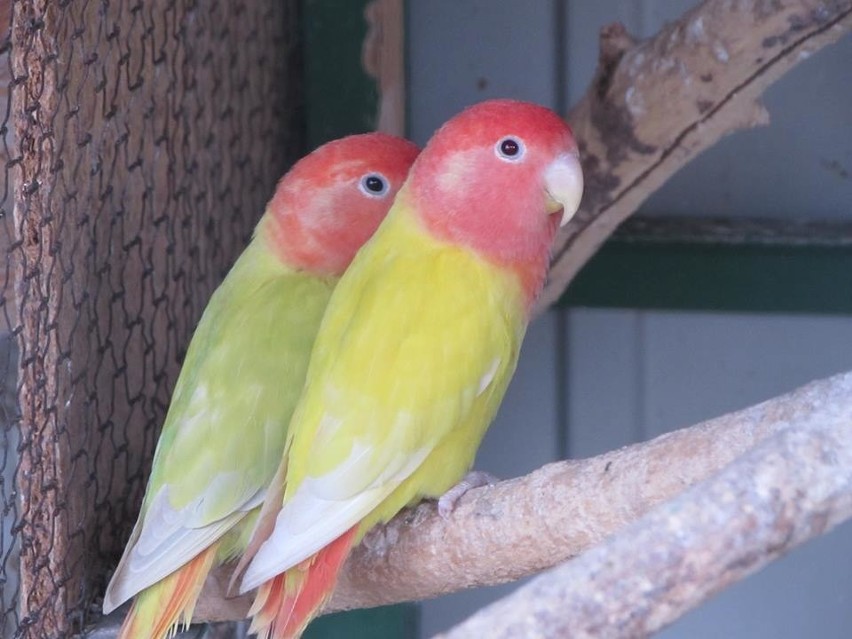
[
  {"x": 510, "y": 149},
  {"x": 374, "y": 184}
]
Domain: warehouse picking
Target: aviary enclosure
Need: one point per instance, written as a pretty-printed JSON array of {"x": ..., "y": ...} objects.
[{"x": 140, "y": 143}]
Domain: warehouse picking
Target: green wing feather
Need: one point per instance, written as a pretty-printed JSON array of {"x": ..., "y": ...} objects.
[
  {"x": 224, "y": 434},
  {"x": 240, "y": 381}
]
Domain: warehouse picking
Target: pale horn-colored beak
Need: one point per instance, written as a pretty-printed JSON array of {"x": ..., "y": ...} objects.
[{"x": 563, "y": 180}]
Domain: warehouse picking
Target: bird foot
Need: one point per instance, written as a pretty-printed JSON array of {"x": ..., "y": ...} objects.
[{"x": 474, "y": 479}]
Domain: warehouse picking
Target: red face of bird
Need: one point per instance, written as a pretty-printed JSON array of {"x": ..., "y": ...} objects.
[
  {"x": 333, "y": 199},
  {"x": 498, "y": 178}
]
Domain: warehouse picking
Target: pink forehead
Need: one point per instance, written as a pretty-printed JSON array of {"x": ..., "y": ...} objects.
[
  {"x": 350, "y": 157},
  {"x": 487, "y": 121}
]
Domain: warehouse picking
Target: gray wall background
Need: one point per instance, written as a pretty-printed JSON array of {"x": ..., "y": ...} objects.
[{"x": 591, "y": 380}]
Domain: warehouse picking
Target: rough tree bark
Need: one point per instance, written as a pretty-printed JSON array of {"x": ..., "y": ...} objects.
[{"x": 652, "y": 107}]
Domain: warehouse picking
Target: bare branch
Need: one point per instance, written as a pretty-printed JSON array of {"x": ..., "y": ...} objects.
[
  {"x": 655, "y": 105},
  {"x": 793, "y": 487},
  {"x": 518, "y": 527}
]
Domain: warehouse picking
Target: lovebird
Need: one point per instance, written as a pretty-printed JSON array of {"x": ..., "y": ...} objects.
[
  {"x": 416, "y": 349},
  {"x": 224, "y": 433}
]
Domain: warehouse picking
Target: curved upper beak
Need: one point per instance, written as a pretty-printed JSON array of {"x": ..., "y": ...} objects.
[{"x": 563, "y": 180}]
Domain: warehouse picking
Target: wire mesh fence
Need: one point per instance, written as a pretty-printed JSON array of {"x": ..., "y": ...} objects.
[{"x": 141, "y": 139}]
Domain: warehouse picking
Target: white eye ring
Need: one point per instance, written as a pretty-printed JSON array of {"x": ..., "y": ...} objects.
[
  {"x": 511, "y": 148},
  {"x": 374, "y": 185}
]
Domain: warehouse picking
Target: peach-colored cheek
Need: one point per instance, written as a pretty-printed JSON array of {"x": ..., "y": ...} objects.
[
  {"x": 292, "y": 242},
  {"x": 361, "y": 228}
]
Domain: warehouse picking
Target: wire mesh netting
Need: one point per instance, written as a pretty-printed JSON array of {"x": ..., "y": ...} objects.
[{"x": 141, "y": 141}]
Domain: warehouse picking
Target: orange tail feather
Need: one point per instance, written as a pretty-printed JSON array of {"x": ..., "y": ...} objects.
[
  {"x": 158, "y": 611},
  {"x": 285, "y": 604}
]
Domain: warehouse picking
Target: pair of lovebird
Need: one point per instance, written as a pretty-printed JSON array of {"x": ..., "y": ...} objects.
[{"x": 327, "y": 385}]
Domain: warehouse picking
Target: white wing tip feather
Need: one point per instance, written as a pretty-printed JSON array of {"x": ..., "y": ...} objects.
[
  {"x": 159, "y": 546},
  {"x": 285, "y": 547},
  {"x": 322, "y": 509}
]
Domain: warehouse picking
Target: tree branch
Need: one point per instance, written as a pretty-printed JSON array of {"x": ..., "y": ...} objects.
[
  {"x": 521, "y": 526},
  {"x": 793, "y": 487},
  {"x": 656, "y": 104}
]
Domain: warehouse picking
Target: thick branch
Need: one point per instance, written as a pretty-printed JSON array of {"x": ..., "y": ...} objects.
[
  {"x": 655, "y": 105},
  {"x": 793, "y": 487},
  {"x": 522, "y": 526}
]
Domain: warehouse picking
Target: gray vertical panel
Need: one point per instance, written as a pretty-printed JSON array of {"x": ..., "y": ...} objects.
[
  {"x": 604, "y": 384},
  {"x": 657, "y": 13},
  {"x": 464, "y": 51},
  {"x": 700, "y": 365},
  {"x": 522, "y": 438}
]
